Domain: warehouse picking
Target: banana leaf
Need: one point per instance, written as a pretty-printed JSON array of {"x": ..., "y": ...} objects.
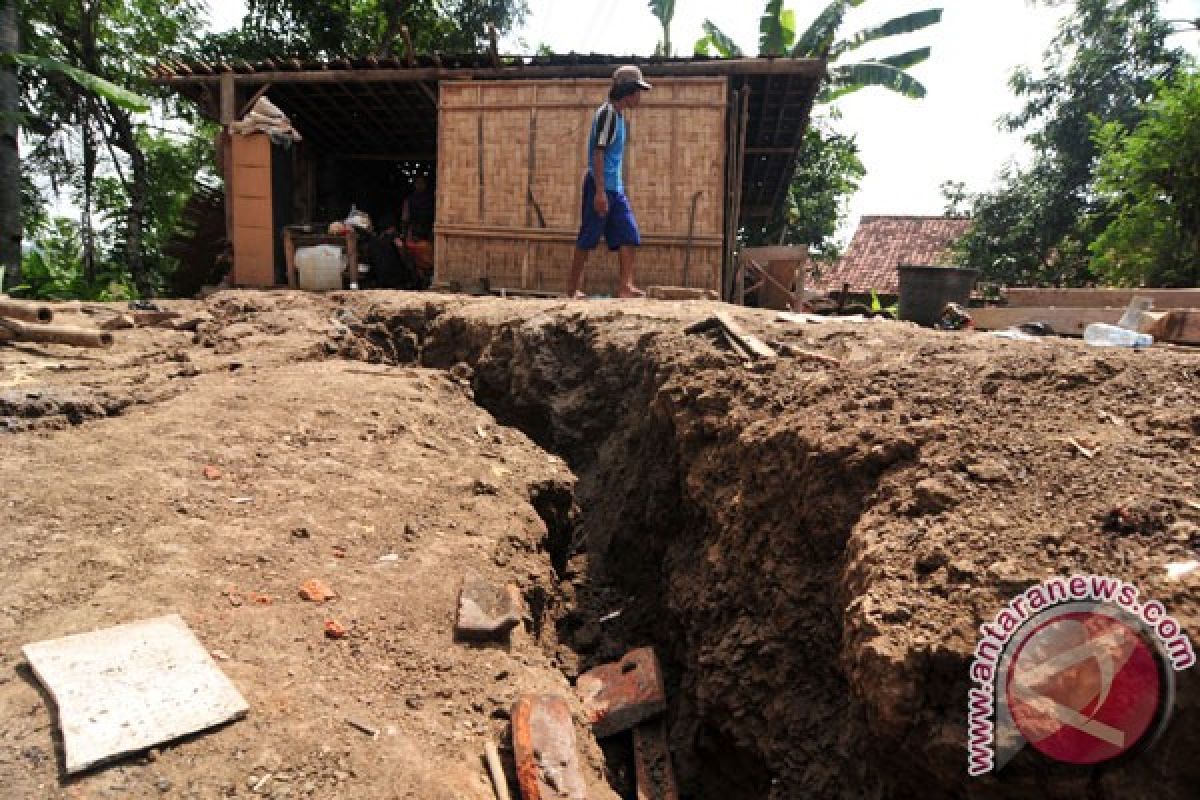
[
  {"x": 93, "y": 83},
  {"x": 893, "y": 27},
  {"x": 817, "y": 41},
  {"x": 718, "y": 40},
  {"x": 850, "y": 78},
  {"x": 777, "y": 29}
]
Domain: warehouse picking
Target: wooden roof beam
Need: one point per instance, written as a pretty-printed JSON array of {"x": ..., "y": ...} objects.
[{"x": 811, "y": 68}]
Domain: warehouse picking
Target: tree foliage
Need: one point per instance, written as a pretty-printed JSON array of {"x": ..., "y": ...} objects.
[
  {"x": 829, "y": 170},
  {"x": 1148, "y": 184},
  {"x": 336, "y": 28},
  {"x": 1035, "y": 227},
  {"x": 87, "y": 132},
  {"x": 828, "y": 173}
]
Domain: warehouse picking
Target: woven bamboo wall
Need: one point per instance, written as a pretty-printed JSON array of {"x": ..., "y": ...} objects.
[{"x": 507, "y": 150}]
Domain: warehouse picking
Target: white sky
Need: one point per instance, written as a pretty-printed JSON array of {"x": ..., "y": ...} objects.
[{"x": 909, "y": 147}]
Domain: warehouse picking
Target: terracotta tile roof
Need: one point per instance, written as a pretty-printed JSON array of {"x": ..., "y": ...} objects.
[{"x": 882, "y": 243}]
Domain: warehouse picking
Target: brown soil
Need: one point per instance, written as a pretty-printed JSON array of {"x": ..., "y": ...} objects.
[{"x": 809, "y": 547}]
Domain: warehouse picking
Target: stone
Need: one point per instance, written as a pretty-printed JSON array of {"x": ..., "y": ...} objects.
[
  {"x": 990, "y": 470},
  {"x": 126, "y": 689},
  {"x": 543, "y": 736},
  {"x": 487, "y": 612},
  {"x": 617, "y": 697}
]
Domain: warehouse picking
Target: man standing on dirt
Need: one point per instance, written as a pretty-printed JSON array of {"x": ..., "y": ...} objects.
[{"x": 606, "y": 210}]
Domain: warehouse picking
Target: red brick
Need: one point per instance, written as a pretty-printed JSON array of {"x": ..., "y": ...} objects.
[
  {"x": 652, "y": 762},
  {"x": 616, "y": 697},
  {"x": 543, "y": 736}
]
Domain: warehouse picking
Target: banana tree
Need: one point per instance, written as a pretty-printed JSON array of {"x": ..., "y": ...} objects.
[
  {"x": 664, "y": 10},
  {"x": 777, "y": 37}
]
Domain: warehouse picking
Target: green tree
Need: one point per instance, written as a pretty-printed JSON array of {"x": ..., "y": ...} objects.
[
  {"x": 1148, "y": 183},
  {"x": 10, "y": 158},
  {"x": 828, "y": 173},
  {"x": 85, "y": 132},
  {"x": 1102, "y": 65},
  {"x": 343, "y": 28},
  {"x": 778, "y": 37},
  {"x": 828, "y": 169},
  {"x": 664, "y": 12}
]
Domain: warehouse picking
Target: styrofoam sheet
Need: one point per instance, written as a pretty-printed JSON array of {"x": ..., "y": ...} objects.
[{"x": 128, "y": 688}]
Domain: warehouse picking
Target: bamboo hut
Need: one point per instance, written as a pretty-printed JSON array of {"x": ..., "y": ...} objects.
[{"x": 713, "y": 146}]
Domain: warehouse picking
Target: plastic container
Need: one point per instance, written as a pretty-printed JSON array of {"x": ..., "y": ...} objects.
[
  {"x": 319, "y": 269},
  {"x": 925, "y": 291},
  {"x": 1099, "y": 334}
]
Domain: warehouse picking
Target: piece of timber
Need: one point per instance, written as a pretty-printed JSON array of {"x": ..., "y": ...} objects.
[
  {"x": 1063, "y": 321},
  {"x": 1164, "y": 299},
  {"x": 1176, "y": 327},
  {"x": 24, "y": 310},
  {"x": 14, "y": 330},
  {"x": 747, "y": 341}
]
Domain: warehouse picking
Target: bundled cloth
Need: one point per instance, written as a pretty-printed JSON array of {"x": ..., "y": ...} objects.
[{"x": 265, "y": 117}]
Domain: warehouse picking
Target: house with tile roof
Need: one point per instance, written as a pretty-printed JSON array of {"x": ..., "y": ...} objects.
[{"x": 883, "y": 243}]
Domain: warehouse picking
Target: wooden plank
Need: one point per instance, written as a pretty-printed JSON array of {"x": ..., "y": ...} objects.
[
  {"x": 812, "y": 68},
  {"x": 1101, "y": 298},
  {"x": 1176, "y": 327},
  {"x": 1064, "y": 321}
]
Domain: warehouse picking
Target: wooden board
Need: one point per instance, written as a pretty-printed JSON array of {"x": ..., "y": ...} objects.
[
  {"x": 512, "y": 156},
  {"x": 1101, "y": 298},
  {"x": 1176, "y": 327},
  {"x": 252, "y": 214},
  {"x": 1064, "y": 321}
]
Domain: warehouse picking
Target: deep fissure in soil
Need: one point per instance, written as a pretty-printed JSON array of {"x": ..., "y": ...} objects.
[{"x": 720, "y": 546}]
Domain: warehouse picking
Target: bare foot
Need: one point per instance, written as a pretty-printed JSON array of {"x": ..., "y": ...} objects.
[{"x": 630, "y": 293}]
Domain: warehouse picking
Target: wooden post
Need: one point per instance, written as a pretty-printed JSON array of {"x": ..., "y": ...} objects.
[{"x": 228, "y": 106}]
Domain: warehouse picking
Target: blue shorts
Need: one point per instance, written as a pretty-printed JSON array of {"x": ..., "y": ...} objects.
[{"x": 619, "y": 228}]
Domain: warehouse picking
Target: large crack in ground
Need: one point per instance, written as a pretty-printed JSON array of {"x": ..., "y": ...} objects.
[
  {"x": 749, "y": 521},
  {"x": 721, "y": 547},
  {"x": 809, "y": 547}
]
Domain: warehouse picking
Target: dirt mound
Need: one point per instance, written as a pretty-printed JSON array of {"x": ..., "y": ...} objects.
[{"x": 810, "y": 547}]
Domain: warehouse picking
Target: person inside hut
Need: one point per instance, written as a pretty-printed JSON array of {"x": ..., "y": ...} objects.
[
  {"x": 416, "y": 246},
  {"x": 606, "y": 211},
  {"x": 417, "y": 212}
]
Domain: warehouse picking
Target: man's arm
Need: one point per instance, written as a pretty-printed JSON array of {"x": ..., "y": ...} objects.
[{"x": 601, "y": 203}]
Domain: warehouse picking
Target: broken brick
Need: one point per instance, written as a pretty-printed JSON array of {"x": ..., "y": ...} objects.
[
  {"x": 335, "y": 629},
  {"x": 652, "y": 763},
  {"x": 212, "y": 473},
  {"x": 316, "y": 591},
  {"x": 543, "y": 735},
  {"x": 486, "y": 612},
  {"x": 617, "y": 697},
  {"x": 258, "y": 598}
]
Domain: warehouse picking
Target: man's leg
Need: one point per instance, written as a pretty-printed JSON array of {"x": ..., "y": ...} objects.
[
  {"x": 575, "y": 281},
  {"x": 625, "y": 288}
]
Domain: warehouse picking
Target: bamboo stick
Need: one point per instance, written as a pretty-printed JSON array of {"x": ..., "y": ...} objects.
[
  {"x": 13, "y": 330},
  {"x": 24, "y": 310},
  {"x": 497, "y": 771}
]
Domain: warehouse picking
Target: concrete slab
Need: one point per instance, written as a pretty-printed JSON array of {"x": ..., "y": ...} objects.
[{"x": 128, "y": 688}]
